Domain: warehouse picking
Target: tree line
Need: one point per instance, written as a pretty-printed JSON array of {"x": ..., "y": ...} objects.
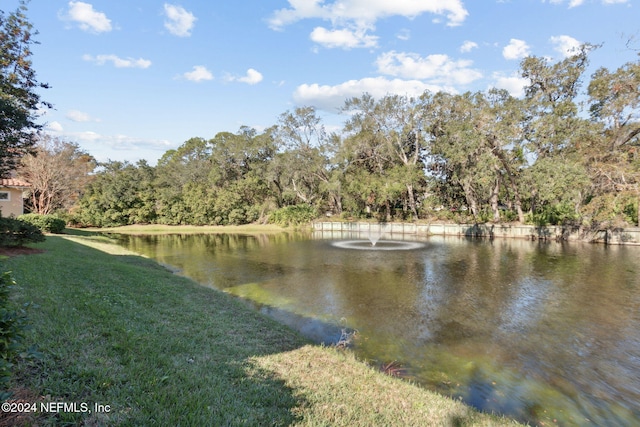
[{"x": 560, "y": 154}]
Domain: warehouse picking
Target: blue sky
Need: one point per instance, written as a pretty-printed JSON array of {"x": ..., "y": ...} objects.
[{"x": 132, "y": 79}]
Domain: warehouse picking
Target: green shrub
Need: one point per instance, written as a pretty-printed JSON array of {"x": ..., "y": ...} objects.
[
  {"x": 17, "y": 233},
  {"x": 509, "y": 216},
  {"x": 346, "y": 215},
  {"x": 253, "y": 213},
  {"x": 46, "y": 223},
  {"x": 558, "y": 214},
  {"x": 13, "y": 323},
  {"x": 630, "y": 211},
  {"x": 237, "y": 217},
  {"x": 485, "y": 215},
  {"x": 293, "y": 215}
]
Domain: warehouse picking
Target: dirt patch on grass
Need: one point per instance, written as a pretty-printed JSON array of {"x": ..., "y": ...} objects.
[
  {"x": 18, "y": 250},
  {"x": 19, "y": 398}
]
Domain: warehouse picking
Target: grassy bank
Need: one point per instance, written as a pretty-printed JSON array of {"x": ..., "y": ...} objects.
[{"x": 117, "y": 329}]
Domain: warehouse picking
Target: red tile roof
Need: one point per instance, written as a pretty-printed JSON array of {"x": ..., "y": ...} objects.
[{"x": 11, "y": 182}]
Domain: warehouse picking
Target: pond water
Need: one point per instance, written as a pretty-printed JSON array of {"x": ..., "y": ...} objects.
[{"x": 542, "y": 332}]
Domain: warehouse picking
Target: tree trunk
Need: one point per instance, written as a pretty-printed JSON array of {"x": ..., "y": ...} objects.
[
  {"x": 513, "y": 185},
  {"x": 471, "y": 200},
  {"x": 338, "y": 203},
  {"x": 533, "y": 207},
  {"x": 519, "y": 211},
  {"x": 494, "y": 200},
  {"x": 412, "y": 201}
]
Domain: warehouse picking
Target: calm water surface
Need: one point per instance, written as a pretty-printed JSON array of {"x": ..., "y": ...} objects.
[{"x": 543, "y": 332}]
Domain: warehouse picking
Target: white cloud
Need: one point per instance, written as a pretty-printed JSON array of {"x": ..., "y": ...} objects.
[
  {"x": 87, "y": 18},
  {"x": 79, "y": 116},
  {"x": 118, "y": 141},
  {"x": 128, "y": 143},
  {"x": 86, "y": 136},
  {"x": 105, "y": 147},
  {"x": 565, "y": 45},
  {"x": 439, "y": 69},
  {"x": 572, "y": 3},
  {"x": 346, "y": 39},
  {"x": 404, "y": 34},
  {"x": 575, "y": 3},
  {"x": 54, "y": 127},
  {"x": 179, "y": 22},
  {"x": 516, "y": 49},
  {"x": 252, "y": 77},
  {"x": 514, "y": 84},
  {"x": 366, "y": 11},
  {"x": 468, "y": 46},
  {"x": 415, "y": 75},
  {"x": 199, "y": 73},
  {"x": 332, "y": 98},
  {"x": 117, "y": 61},
  {"x": 352, "y": 19}
]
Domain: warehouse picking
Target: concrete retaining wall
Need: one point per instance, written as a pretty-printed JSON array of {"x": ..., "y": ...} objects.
[{"x": 626, "y": 236}]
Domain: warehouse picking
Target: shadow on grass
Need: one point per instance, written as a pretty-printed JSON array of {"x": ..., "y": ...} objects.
[{"x": 156, "y": 348}]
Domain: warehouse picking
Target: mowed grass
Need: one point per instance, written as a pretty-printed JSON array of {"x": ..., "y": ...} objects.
[{"x": 117, "y": 329}]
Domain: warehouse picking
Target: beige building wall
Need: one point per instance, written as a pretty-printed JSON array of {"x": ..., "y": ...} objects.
[{"x": 11, "y": 201}]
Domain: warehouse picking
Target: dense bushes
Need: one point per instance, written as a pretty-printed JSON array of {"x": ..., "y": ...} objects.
[
  {"x": 46, "y": 223},
  {"x": 557, "y": 214},
  {"x": 14, "y": 232},
  {"x": 293, "y": 215}
]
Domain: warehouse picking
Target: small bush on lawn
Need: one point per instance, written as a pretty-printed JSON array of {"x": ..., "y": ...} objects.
[
  {"x": 293, "y": 215},
  {"x": 17, "y": 233},
  {"x": 46, "y": 223}
]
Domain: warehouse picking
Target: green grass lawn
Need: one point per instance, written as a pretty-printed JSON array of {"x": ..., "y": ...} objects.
[{"x": 117, "y": 329}]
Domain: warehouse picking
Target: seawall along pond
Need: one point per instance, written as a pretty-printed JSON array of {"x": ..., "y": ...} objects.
[{"x": 614, "y": 236}]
